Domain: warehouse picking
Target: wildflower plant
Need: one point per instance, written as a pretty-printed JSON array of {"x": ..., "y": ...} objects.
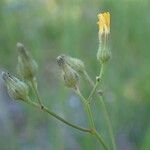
[{"x": 72, "y": 69}]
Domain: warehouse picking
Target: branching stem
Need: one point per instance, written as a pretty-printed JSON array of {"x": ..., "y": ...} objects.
[
  {"x": 98, "y": 79},
  {"x": 104, "y": 107},
  {"x": 45, "y": 109},
  {"x": 34, "y": 87},
  {"x": 91, "y": 120}
]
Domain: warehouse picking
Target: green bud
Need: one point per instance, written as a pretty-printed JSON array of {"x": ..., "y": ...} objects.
[
  {"x": 70, "y": 76},
  {"x": 75, "y": 63},
  {"x": 103, "y": 55},
  {"x": 17, "y": 89},
  {"x": 27, "y": 67}
]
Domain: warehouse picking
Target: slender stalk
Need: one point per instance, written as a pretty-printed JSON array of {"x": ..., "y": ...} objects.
[
  {"x": 87, "y": 108},
  {"x": 100, "y": 139},
  {"x": 87, "y": 77},
  {"x": 45, "y": 109},
  {"x": 34, "y": 87},
  {"x": 105, "y": 109},
  {"x": 90, "y": 115},
  {"x": 91, "y": 121},
  {"x": 108, "y": 123},
  {"x": 97, "y": 83}
]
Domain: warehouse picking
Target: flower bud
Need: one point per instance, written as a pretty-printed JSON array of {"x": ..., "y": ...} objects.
[
  {"x": 103, "y": 54},
  {"x": 70, "y": 76},
  {"x": 27, "y": 67},
  {"x": 75, "y": 63},
  {"x": 17, "y": 89}
]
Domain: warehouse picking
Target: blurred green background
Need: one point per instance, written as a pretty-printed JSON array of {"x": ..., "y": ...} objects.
[{"x": 52, "y": 27}]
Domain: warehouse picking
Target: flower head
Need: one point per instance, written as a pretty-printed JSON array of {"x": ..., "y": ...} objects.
[{"x": 104, "y": 22}]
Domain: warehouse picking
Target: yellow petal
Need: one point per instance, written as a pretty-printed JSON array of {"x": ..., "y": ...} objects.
[{"x": 104, "y": 22}]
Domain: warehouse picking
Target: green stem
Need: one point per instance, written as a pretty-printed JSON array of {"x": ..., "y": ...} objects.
[
  {"x": 45, "y": 109},
  {"x": 90, "y": 131},
  {"x": 100, "y": 139},
  {"x": 104, "y": 107},
  {"x": 97, "y": 83},
  {"x": 108, "y": 123},
  {"x": 33, "y": 84},
  {"x": 87, "y": 77},
  {"x": 87, "y": 108},
  {"x": 91, "y": 121}
]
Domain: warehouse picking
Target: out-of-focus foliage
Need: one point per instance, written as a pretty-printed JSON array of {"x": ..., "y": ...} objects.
[{"x": 52, "y": 27}]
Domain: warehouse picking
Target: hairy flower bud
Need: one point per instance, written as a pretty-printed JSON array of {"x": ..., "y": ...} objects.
[
  {"x": 75, "y": 63},
  {"x": 27, "y": 67},
  {"x": 17, "y": 89},
  {"x": 70, "y": 76}
]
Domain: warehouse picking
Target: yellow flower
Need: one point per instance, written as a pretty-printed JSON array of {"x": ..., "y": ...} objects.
[{"x": 104, "y": 22}]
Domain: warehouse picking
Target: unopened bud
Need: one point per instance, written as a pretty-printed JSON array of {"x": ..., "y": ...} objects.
[
  {"x": 70, "y": 76},
  {"x": 27, "y": 67},
  {"x": 75, "y": 63},
  {"x": 17, "y": 89},
  {"x": 103, "y": 55}
]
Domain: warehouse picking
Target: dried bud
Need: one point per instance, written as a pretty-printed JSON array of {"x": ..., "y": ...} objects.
[
  {"x": 27, "y": 67},
  {"x": 70, "y": 76},
  {"x": 75, "y": 63},
  {"x": 17, "y": 89}
]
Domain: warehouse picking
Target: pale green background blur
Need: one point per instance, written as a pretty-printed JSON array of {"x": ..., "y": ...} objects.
[{"x": 52, "y": 27}]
